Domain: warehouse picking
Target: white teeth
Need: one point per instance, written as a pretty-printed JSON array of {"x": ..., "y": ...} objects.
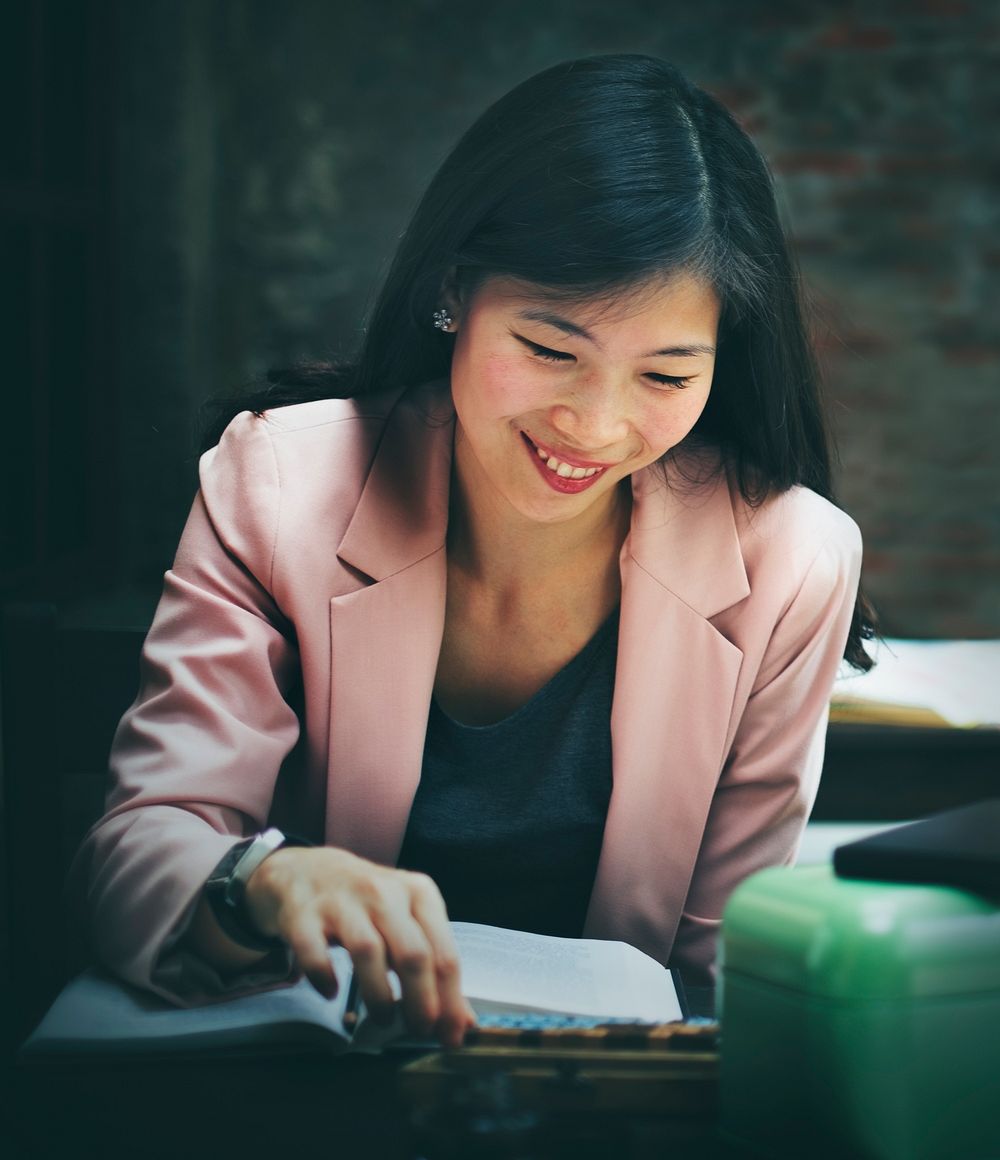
[{"x": 564, "y": 469}]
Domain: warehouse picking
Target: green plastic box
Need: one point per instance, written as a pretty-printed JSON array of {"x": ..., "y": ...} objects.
[{"x": 860, "y": 1019}]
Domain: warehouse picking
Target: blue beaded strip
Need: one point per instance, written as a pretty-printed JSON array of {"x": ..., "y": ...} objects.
[
  {"x": 530, "y": 1021},
  {"x": 539, "y": 1021}
]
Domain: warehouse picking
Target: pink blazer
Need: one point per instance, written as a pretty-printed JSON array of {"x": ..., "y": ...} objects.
[{"x": 305, "y": 610}]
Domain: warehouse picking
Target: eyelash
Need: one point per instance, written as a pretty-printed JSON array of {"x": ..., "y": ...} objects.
[{"x": 546, "y": 354}]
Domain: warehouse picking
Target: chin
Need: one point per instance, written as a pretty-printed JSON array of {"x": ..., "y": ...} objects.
[{"x": 561, "y": 507}]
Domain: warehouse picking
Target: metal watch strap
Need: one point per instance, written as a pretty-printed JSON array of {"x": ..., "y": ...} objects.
[{"x": 226, "y": 886}]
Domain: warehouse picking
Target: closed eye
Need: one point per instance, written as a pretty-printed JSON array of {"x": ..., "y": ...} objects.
[
  {"x": 547, "y": 354},
  {"x": 669, "y": 380}
]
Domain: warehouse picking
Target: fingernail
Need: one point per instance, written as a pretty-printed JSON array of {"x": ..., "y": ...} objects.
[{"x": 455, "y": 1038}]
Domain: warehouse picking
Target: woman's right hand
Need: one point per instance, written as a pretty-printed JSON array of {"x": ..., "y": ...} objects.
[{"x": 385, "y": 918}]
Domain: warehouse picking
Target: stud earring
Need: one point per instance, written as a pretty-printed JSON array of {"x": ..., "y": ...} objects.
[{"x": 443, "y": 320}]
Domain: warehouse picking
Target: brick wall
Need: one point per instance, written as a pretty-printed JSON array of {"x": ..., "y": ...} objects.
[{"x": 880, "y": 122}]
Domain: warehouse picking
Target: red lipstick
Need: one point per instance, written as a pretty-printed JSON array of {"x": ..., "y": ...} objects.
[{"x": 560, "y": 483}]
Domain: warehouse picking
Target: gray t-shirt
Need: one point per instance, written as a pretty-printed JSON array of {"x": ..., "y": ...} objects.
[{"x": 508, "y": 818}]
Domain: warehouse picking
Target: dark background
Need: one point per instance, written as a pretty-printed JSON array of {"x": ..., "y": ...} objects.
[{"x": 192, "y": 190}]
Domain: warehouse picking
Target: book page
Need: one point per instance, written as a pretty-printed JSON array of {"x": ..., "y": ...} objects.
[
  {"x": 98, "y": 1012},
  {"x": 957, "y": 680},
  {"x": 508, "y": 970}
]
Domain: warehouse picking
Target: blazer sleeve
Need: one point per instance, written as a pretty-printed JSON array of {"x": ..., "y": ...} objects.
[
  {"x": 195, "y": 759},
  {"x": 769, "y": 782}
]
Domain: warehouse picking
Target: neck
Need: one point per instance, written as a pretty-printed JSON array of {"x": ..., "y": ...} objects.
[{"x": 494, "y": 545}]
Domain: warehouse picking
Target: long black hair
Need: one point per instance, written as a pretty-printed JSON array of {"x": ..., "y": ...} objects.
[{"x": 589, "y": 179}]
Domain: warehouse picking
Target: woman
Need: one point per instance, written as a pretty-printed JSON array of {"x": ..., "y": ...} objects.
[{"x": 530, "y": 616}]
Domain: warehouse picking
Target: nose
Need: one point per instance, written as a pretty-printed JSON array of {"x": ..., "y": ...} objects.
[{"x": 593, "y": 417}]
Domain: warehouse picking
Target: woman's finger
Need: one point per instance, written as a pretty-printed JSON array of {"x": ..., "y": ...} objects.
[
  {"x": 364, "y": 943},
  {"x": 410, "y": 956},
  {"x": 430, "y": 913},
  {"x": 306, "y": 936}
]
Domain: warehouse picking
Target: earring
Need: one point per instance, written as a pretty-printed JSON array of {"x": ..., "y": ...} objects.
[{"x": 443, "y": 320}]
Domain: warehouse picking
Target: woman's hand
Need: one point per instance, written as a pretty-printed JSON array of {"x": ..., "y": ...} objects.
[{"x": 385, "y": 918}]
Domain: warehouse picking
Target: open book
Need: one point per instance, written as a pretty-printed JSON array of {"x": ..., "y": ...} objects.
[
  {"x": 502, "y": 971},
  {"x": 938, "y": 683}
]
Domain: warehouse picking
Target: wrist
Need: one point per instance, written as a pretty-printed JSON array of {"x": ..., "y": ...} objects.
[
  {"x": 265, "y": 889},
  {"x": 226, "y": 887}
]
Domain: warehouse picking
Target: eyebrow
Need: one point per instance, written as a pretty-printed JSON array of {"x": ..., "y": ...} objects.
[{"x": 685, "y": 350}]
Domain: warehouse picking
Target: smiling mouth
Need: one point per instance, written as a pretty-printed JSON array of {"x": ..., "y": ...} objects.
[{"x": 561, "y": 475}]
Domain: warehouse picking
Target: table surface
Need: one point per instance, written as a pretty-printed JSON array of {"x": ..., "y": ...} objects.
[
  {"x": 339, "y": 1107},
  {"x": 343, "y": 1107}
]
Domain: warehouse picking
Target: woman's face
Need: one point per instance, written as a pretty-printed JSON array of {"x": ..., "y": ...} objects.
[{"x": 557, "y": 404}]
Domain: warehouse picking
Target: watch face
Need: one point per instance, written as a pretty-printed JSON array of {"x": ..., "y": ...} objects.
[
  {"x": 221, "y": 874},
  {"x": 224, "y": 892}
]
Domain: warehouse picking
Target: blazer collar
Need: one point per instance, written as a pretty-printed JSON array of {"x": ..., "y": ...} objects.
[
  {"x": 402, "y": 515},
  {"x": 683, "y": 527},
  {"x": 684, "y": 532}
]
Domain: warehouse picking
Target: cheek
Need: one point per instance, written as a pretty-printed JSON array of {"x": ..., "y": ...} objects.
[
  {"x": 667, "y": 425},
  {"x": 692, "y": 409},
  {"x": 496, "y": 384}
]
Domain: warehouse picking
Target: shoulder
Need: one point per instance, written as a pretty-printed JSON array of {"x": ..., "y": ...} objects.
[
  {"x": 325, "y": 439},
  {"x": 796, "y": 519},
  {"x": 794, "y": 525},
  {"x": 277, "y": 479},
  {"x": 318, "y": 427},
  {"x": 308, "y": 457},
  {"x": 801, "y": 559},
  {"x": 329, "y": 416},
  {"x": 802, "y": 556},
  {"x": 695, "y": 534},
  {"x": 302, "y": 428},
  {"x": 780, "y": 535},
  {"x": 788, "y": 528},
  {"x": 796, "y": 538}
]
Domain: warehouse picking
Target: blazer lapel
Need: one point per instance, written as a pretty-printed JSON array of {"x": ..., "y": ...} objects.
[
  {"x": 674, "y": 693},
  {"x": 385, "y": 632}
]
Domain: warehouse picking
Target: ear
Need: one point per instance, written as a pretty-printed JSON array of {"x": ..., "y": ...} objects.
[{"x": 451, "y": 298}]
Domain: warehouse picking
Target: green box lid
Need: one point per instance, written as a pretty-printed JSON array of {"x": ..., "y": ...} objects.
[{"x": 806, "y": 929}]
